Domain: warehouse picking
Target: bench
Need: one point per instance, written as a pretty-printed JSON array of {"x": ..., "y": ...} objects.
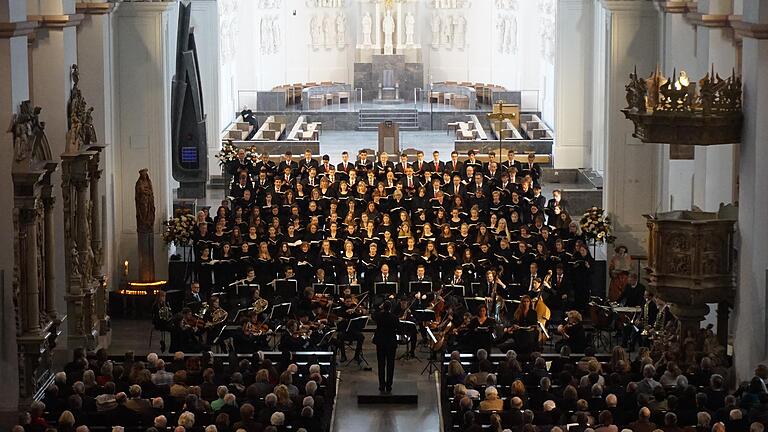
[{"x": 272, "y": 129}]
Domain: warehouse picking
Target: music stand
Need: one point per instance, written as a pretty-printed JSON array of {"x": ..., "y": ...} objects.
[
  {"x": 411, "y": 328},
  {"x": 326, "y": 339},
  {"x": 279, "y": 311},
  {"x": 286, "y": 288},
  {"x": 422, "y": 287},
  {"x": 241, "y": 313},
  {"x": 324, "y": 288},
  {"x": 474, "y": 289},
  {"x": 432, "y": 365},
  {"x": 456, "y": 290},
  {"x": 385, "y": 288},
  {"x": 357, "y": 325},
  {"x": 356, "y": 289},
  {"x": 423, "y": 315},
  {"x": 473, "y": 304}
]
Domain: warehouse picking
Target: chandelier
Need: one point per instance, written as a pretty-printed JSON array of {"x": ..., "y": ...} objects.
[{"x": 677, "y": 111}]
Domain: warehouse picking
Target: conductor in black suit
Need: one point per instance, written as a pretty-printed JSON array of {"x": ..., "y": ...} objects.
[{"x": 385, "y": 339}]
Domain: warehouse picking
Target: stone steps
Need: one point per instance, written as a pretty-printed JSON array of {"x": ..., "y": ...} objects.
[{"x": 369, "y": 119}]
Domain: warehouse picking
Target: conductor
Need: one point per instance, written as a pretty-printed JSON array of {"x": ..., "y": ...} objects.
[{"x": 385, "y": 339}]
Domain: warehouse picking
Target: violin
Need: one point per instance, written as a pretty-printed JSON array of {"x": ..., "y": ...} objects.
[
  {"x": 324, "y": 300},
  {"x": 257, "y": 329}
]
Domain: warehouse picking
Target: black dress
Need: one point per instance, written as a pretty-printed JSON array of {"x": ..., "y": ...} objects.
[{"x": 527, "y": 338}]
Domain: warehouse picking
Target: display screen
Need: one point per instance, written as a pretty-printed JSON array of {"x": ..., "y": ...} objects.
[{"x": 189, "y": 157}]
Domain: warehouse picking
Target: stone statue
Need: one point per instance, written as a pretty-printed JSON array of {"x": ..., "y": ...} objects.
[
  {"x": 329, "y": 25},
  {"x": 145, "y": 203},
  {"x": 23, "y": 135},
  {"x": 276, "y": 36},
  {"x": 74, "y": 137},
  {"x": 367, "y": 24},
  {"x": 446, "y": 27},
  {"x": 341, "y": 29},
  {"x": 636, "y": 89},
  {"x": 459, "y": 29},
  {"x": 41, "y": 149},
  {"x": 410, "y": 24},
  {"x": 74, "y": 256},
  {"x": 435, "y": 30},
  {"x": 316, "y": 30},
  {"x": 388, "y": 27},
  {"x": 266, "y": 35}
]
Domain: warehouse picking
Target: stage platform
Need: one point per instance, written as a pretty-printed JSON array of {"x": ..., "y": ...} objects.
[{"x": 403, "y": 393}]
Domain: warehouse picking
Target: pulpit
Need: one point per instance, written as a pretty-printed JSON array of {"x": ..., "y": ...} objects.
[
  {"x": 691, "y": 263},
  {"x": 389, "y": 137}
]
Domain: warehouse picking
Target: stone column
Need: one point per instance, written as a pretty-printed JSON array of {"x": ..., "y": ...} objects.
[
  {"x": 52, "y": 52},
  {"x": 715, "y": 169},
  {"x": 378, "y": 28},
  {"x": 750, "y": 337},
  {"x": 631, "y": 167},
  {"x": 15, "y": 28},
  {"x": 399, "y": 29},
  {"x": 678, "y": 53},
  {"x": 573, "y": 64},
  {"x": 30, "y": 288},
  {"x": 49, "y": 249},
  {"x": 94, "y": 176},
  {"x": 143, "y": 65}
]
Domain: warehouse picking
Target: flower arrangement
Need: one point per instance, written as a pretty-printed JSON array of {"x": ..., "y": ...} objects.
[
  {"x": 228, "y": 153},
  {"x": 596, "y": 226},
  {"x": 179, "y": 228}
]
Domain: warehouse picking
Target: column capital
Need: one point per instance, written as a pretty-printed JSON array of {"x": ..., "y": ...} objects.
[
  {"x": 96, "y": 8},
  {"x": 20, "y": 28},
  {"x": 628, "y": 5},
  {"x": 141, "y": 7},
  {"x": 750, "y": 30},
  {"x": 673, "y": 6},
  {"x": 57, "y": 21}
]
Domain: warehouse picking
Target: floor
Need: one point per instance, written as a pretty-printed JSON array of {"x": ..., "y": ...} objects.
[
  {"x": 133, "y": 335},
  {"x": 386, "y": 418}
]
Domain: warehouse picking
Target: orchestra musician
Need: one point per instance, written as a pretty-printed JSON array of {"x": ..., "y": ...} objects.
[
  {"x": 639, "y": 328},
  {"x": 190, "y": 330},
  {"x": 524, "y": 331},
  {"x": 162, "y": 317},
  {"x": 482, "y": 327},
  {"x": 572, "y": 332},
  {"x": 255, "y": 333},
  {"x": 350, "y": 309},
  {"x": 402, "y": 310}
]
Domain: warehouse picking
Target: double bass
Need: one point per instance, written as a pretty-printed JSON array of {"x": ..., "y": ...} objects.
[{"x": 543, "y": 313}]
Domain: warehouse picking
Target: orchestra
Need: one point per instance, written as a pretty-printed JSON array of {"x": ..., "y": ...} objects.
[{"x": 468, "y": 258}]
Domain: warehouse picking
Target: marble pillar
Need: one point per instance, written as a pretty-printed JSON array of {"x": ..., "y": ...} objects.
[
  {"x": 378, "y": 17},
  {"x": 95, "y": 58},
  {"x": 750, "y": 335},
  {"x": 678, "y": 53},
  {"x": 573, "y": 83},
  {"x": 52, "y": 52},
  {"x": 49, "y": 252},
  {"x": 631, "y": 173},
  {"x": 715, "y": 174},
  {"x": 15, "y": 28},
  {"x": 145, "y": 43}
]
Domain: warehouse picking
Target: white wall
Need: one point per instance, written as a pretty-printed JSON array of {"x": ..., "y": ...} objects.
[{"x": 528, "y": 67}]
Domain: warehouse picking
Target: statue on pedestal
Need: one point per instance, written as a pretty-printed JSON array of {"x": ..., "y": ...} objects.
[
  {"x": 145, "y": 202},
  {"x": 446, "y": 27},
  {"x": 145, "y": 224},
  {"x": 329, "y": 25},
  {"x": 388, "y": 27},
  {"x": 23, "y": 135},
  {"x": 367, "y": 25},
  {"x": 341, "y": 29},
  {"x": 410, "y": 24},
  {"x": 459, "y": 31},
  {"x": 316, "y": 30},
  {"x": 435, "y": 30}
]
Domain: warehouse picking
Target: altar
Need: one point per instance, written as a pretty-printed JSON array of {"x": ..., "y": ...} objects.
[{"x": 388, "y": 65}]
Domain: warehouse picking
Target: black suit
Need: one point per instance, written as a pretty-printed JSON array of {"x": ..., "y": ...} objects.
[{"x": 385, "y": 339}]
